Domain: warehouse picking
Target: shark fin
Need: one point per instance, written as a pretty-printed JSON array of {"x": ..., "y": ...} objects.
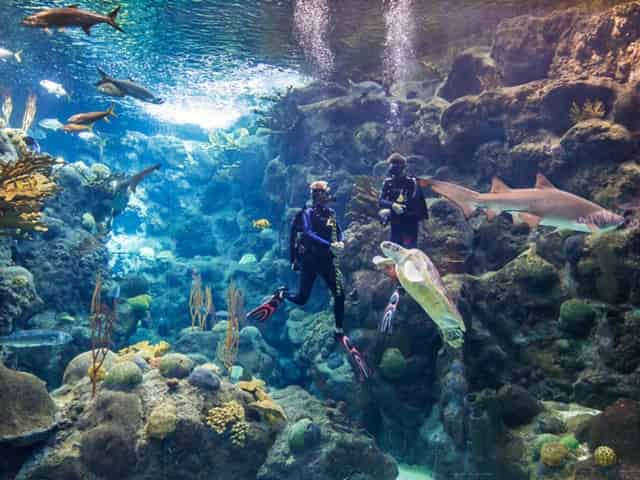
[
  {"x": 523, "y": 217},
  {"x": 75, "y": 5},
  {"x": 491, "y": 215},
  {"x": 543, "y": 182},
  {"x": 498, "y": 186},
  {"x": 464, "y": 198},
  {"x": 103, "y": 74}
]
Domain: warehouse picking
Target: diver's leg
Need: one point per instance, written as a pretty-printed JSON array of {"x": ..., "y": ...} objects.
[
  {"x": 307, "y": 277},
  {"x": 333, "y": 279},
  {"x": 409, "y": 235}
]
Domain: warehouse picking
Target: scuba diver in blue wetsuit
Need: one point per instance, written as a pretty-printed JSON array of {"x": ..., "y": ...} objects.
[
  {"x": 403, "y": 206},
  {"x": 315, "y": 245}
]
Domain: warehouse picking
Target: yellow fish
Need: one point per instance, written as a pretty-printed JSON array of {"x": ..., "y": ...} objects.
[{"x": 261, "y": 224}]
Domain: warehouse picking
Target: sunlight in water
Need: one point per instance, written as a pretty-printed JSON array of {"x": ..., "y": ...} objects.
[
  {"x": 311, "y": 19},
  {"x": 221, "y": 101}
]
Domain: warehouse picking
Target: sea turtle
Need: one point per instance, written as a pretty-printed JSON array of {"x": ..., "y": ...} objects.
[{"x": 420, "y": 278}]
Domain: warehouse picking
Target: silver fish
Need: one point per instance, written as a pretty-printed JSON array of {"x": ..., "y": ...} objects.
[
  {"x": 51, "y": 124},
  {"x": 35, "y": 338},
  {"x": 7, "y": 54}
]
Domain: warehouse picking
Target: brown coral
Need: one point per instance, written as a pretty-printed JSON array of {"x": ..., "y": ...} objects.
[{"x": 24, "y": 185}]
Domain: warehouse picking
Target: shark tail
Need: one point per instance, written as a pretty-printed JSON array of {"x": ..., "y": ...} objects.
[
  {"x": 18, "y": 56},
  {"x": 112, "y": 19},
  {"x": 465, "y": 198},
  {"x": 110, "y": 112}
]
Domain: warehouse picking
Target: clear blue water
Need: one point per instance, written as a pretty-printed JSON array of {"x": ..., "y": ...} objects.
[{"x": 210, "y": 60}]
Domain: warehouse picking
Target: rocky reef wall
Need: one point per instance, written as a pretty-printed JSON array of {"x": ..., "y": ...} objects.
[{"x": 551, "y": 313}]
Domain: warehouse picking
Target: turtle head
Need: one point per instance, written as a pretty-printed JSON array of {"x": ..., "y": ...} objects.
[{"x": 392, "y": 250}]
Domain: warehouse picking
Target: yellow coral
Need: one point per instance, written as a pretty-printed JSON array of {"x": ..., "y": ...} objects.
[
  {"x": 146, "y": 350},
  {"x": 239, "y": 434},
  {"x": 24, "y": 185},
  {"x": 254, "y": 386},
  {"x": 219, "y": 418},
  {"x": 270, "y": 410},
  {"x": 553, "y": 454},
  {"x": 96, "y": 375},
  {"x": 604, "y": 456},
  {"x": 589, "y": 110}
]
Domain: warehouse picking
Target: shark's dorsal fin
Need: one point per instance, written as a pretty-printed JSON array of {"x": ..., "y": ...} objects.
[
  {"x": 543, "y": 182},
  {"x": 75, "y": 5},
  {"x": 498, "y": 186}
]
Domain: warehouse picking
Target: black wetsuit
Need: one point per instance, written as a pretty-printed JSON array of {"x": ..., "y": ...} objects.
[
  {"x": 314, "y": 257},
  {"x": 404, "y": 227}
]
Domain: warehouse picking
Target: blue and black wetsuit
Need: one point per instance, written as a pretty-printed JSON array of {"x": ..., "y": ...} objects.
[
  {"x": 315, "y": 258},
  {"x": 404, "y": 227}
]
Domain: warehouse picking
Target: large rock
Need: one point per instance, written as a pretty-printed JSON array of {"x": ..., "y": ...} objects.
[
  {"x": 341, "y": 452},
  {"x": 595, "y": 142},
  {"x": 28, "y": 413},
  {"x": 603, "y": 45},
  {"x": 472, "y": 72},
  {"x": 78, "y": 368},
  {"x": 524, "y": 46},
  {"x": 18, "y": 298},
  {"x": 618, "y": 427}
]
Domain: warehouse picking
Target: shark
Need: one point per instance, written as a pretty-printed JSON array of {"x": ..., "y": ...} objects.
[
  {"x": 122, "y": 88},
  {"x": 542, "y": 205}
]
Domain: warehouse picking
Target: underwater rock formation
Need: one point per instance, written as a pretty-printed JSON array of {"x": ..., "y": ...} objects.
[
  {"x": 341, "y": 450},
  {"x": 27, "y": 418},
  {"x": 126, "y": 434}
]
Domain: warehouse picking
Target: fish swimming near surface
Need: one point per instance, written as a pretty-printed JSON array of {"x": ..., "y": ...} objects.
[
  {"x": 8, "y": 54},
  {"x": 51, "y": 124},
  {"x": 75, "y": 128},
  {"x": 420, "y": 278},
  {"x": 261, "y": 224},
  {"x": 91, "y": 117},
  {"x": 54, "y": 88},
  {"x": 543, "y": 205},
  {"x": 71, "y": 16},
  {"x": 123, "y": 88},
  {"x": 35, "y": 338}
]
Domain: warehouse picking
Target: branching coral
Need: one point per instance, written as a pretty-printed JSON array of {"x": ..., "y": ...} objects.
[
  {"x": 24, "y": 185},
  {"x": 200, "y": 303},
  {"x": 103, "y": 320},
  {"x": 230, "y": 416},
  {"x": 228, "y": 350},
  {"x": 589, "y": 110}
]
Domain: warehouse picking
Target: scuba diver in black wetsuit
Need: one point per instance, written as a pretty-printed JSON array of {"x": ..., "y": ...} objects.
[
  {"x": 403, "y": 206},
  {"x": 402, "y": 202},
  {"x": 316, "y": 243}
]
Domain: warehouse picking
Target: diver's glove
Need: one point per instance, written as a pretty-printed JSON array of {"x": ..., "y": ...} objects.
[
  {"x": 337, "y": 248},
  {"x": 384, "y": 216},
  {"x": 398, "y": 208}
]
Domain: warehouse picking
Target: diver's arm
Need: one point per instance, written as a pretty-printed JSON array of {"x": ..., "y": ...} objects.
[
  {"x": 383, "y": 202},
  {"x": 308, "y": 230}
]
